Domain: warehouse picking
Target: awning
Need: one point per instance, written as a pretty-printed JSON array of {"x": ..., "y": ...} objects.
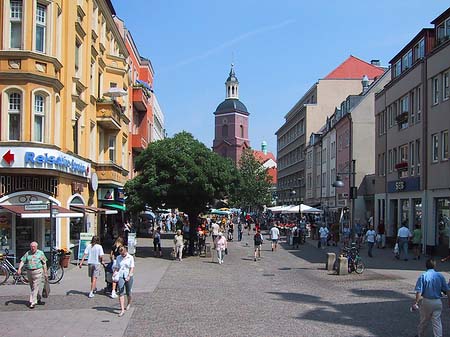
[
  {"x": 58, "y": 212},
  {"x": 116, "y": 206},
  {"x": 92, "y": 209}
]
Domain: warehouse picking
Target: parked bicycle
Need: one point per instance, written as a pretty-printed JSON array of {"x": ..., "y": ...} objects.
[
  {"x": 355, "y": 262},
  {"x": 55, "y": 269},
  {"x": 7, "y": 269}
]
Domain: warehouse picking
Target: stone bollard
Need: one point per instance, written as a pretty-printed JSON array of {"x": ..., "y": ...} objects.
[
  {"x": 331, "y": 259},
  {"x": 342, "y": 265}
]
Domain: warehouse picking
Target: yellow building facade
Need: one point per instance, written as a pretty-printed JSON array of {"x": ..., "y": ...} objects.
[{"x": 64, "y": 121}]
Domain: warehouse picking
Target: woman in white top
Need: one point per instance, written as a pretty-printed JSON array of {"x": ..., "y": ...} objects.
[
  {"x": 178, "y": 240},
  {"x": 123, "y": 272},
  {"x": 221, "y": 245}
]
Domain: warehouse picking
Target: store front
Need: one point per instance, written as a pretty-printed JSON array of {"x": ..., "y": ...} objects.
[{"x": 442, "y": 225}]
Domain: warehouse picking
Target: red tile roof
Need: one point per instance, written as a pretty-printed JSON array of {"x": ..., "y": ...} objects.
[
  {"x": 262, "y": 158},
  {"x": 354, "y": 68}
]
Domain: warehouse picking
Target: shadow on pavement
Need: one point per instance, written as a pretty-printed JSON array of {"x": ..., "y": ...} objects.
[
  {"x": 17, "y": 302},
  {"x": 107, "y": 309},
  {"x": 77, "y": 292}
]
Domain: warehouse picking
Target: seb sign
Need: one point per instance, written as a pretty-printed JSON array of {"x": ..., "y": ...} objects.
[{"x": 42, "y": 158}]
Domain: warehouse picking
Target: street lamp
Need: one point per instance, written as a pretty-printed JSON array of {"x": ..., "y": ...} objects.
[{"x": 353, "y": 191}]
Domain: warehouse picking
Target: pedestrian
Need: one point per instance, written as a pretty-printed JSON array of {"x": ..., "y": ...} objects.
[
  {"x": 214, "y": 232},
  {"x": 127, "y": 229},
  {"x": 403, "y": 236},
  {"x": 416, "y": 241},
  {"x": 113, "y": 255},
  {"x": 35, "y": 263},
  {"x": 274, "y": 236},
  {"x": 124, "y": 266},
  {"x": 221, "y": 247},
  {"x": 239, "y": 227},
  {"x": 95, "y": 253},
  {"x": 258, "y": 240},
  {"x": 323, "y": 232},
  {"x": 429, "y": 286},
  {"x": 179, "y": 245},
  {"x": 382, "y": 233},
  {"x": 157, "y": 242},
  {"x": 295, "y": 236},
  {"x": 346, "y": 234},
  {"x": 370, "y": 238}
]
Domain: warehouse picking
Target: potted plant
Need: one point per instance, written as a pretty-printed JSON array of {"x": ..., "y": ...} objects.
[{"x": 65, "y": 257}]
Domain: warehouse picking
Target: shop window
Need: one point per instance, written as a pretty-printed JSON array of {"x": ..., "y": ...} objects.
[
  {"x": 5, "y": 231},
  {"x": 404, "y": 204}
]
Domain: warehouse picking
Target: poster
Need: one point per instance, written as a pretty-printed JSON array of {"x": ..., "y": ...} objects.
[
  {"x": 132, "y": 243},
  {"x": 85, "y": 239}
]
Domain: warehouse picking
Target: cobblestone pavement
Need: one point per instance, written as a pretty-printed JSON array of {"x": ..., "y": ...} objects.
[{"x": 286, "y": 293}]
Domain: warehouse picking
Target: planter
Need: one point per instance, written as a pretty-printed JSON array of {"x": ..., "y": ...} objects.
[
  {"x": 65, "y": 260},
  {"x": 402, "y": 166}
]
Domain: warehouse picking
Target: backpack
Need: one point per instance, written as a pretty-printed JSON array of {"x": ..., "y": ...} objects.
[{"x": 258, "y": 239}]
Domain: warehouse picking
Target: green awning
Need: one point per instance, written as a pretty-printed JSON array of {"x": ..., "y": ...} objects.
[{"x": 116, "y": 206}]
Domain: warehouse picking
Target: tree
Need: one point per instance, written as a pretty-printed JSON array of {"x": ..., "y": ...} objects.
[
  {"x": 254, "y": 183},
  {"x": 180, "y": 172}
]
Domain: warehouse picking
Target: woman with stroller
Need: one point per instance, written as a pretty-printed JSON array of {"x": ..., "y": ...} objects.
[
  {"x": 113, "y": 255},
  {"x": 124, "y": 267}
]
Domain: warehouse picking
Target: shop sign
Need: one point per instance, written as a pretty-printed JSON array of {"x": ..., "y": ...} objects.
[
  {"x": 16, "y": 183},
  {"x": 43, "y": 158},
  {"x": 36, "y": 207},
  {"x": 404, "y": 185},
  {"x": 106, "y": 194},
  {"x": 399, "y": 185}
]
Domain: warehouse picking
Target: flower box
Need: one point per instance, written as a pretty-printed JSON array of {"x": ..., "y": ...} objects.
[
  {"x": 401, "y": 166},
  {"x": 402, "y": 118}
]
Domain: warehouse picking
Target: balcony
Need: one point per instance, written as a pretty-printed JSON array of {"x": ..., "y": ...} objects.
[
  {"x": 138, "y": 143},
  {"x": 109, "y": 114},
  {"x": 111, "y": 173},
  {"x": 140, "y": 99}
]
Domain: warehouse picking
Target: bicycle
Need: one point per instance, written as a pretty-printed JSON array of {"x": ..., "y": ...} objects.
[
  {"x": 7, "y": 269},
  {"x": 355, "y": 262},
  {"x": 55, "y": 270}
]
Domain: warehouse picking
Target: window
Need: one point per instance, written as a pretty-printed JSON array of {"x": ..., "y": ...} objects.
[
  {"x": 225, "y": 131},
  {"x": 394, "y": 156},
  {"x": 407, "y": 60},
  {"x": 39, "y": 118},
  {"x": 75, "y": 126},
  {"x": 77, "y": 57},
  {"x": 14, "y": 111},
  {"x": 419, "y": 50},
  {"x": 435, "y": 90},
  {"x": 445, "y": 86},
  {"x": 444, "y": 145},
  {"x": 412, "y": 103},
  {"x": 418, "y": 155},
  {"x": 397, "y": 68},
  {"x": 390, "y": 161},
  {"x": 92, "y": 75},
  {"x": 41, "y": 17},
  {"x": 419, "y": 103},
  {"x": 16, "y": 11},
  {"x": 242, "y": 131},
  {"x": 435, "y": 147},
  {"x": 403, "y": 151},
  {"x": 412, "y": 155},
  {"x": 112, "y": 148}
]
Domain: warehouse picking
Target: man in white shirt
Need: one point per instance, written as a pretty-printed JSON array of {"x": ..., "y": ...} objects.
[
  {"x": 323, "y": 232},
  {"x": 215, "y": 228},
  {"x": 274, "y": 235},
  {"x": 95, "y": 259},
  {"x": 403, "y": 236},
  {"x": 370, "y": 238}
]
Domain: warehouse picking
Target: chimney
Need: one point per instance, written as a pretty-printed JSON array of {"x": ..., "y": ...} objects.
[{"x": 375, "y": 62}]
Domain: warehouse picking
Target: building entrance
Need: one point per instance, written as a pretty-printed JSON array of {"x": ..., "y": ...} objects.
[{"x": 27, "y": 230}]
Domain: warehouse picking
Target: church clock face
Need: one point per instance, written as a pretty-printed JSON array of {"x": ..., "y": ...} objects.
[{"x": 224, "y": 121}]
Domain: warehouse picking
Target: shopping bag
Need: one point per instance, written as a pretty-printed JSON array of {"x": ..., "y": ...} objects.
[
  {"x": 396, "y": 249},
  {"x": 46, "y": 288},
  {"x": 226, "y": 251}
]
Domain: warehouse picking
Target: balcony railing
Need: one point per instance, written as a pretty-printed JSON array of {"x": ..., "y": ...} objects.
[
  {"x": 140, "y": 99},
  {"x": 109, "y": 114}
]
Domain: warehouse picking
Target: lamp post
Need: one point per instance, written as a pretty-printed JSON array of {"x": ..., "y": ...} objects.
[
  {"x": 300, "y": 197},
  {"x": 353, "y": 192}
]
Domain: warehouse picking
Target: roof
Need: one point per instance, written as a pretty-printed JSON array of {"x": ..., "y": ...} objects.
[
  {"x": 354, "y": 68},
  {"x": 262, "y": 158},
  {"x": 231, "y": 105},
  {"x": 273, "y": 174}
]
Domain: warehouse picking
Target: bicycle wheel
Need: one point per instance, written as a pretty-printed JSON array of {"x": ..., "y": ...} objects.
[
  {"x": 4, "y": 274},
  {"x": 24, "y": 277},
  {"x": 55, "y": 274},
  {"x": 359, "y": 265}
]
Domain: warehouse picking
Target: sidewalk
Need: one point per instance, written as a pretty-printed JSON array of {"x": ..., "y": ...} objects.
[
  {"x": 384, "y": 263},
  {"x": 68, "y": 311}
]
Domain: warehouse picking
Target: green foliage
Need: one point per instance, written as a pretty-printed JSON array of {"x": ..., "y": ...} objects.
[
  {"x": 254, "y": 183},
  {"x": 179, "y": 172}
]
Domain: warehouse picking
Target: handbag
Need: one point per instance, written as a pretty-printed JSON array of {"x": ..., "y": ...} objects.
[
  {"x": 46, "y": 288},
  {"x": 115, "y": 276},
  {"x": 396, "y": 249},
  {"x": 226, "y": 251}
]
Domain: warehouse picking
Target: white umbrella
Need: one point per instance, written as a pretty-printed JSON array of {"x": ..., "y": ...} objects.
[{"x": 304, "y": 209}]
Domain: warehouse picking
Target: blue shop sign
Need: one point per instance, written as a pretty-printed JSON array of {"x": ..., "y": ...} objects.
[
  {"x": 404, "y": 185},
  {"x": 60, "y": 162}
]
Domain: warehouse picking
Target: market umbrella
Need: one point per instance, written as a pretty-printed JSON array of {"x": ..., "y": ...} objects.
[{"x": 115, "y": 92}]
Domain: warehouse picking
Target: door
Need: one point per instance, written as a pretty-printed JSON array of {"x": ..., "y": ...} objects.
[{"x": 27, "y": 230}]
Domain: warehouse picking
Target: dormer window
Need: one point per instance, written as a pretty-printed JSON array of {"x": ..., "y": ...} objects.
[
  {"x": 407, "y": 60},
  {"x": 397, "y": 68}
]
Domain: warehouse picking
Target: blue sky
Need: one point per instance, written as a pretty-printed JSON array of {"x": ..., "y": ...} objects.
[{"x": 280, "y": 48}]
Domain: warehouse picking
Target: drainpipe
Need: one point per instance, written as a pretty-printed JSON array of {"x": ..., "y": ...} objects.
[{"x": 424, "y": 161}]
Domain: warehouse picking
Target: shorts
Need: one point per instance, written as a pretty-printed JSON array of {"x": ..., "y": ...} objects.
[
  {"x": 93, "y": 270},
  {"x": 156, "y": 246},
  {"x": 125, "y": 287},
  {"x": 274, "y": 240},
  {"x": 257, "y": 247}
]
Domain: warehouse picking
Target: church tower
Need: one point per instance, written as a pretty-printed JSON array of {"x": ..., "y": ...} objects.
[{"x": 231, "y": 122}]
